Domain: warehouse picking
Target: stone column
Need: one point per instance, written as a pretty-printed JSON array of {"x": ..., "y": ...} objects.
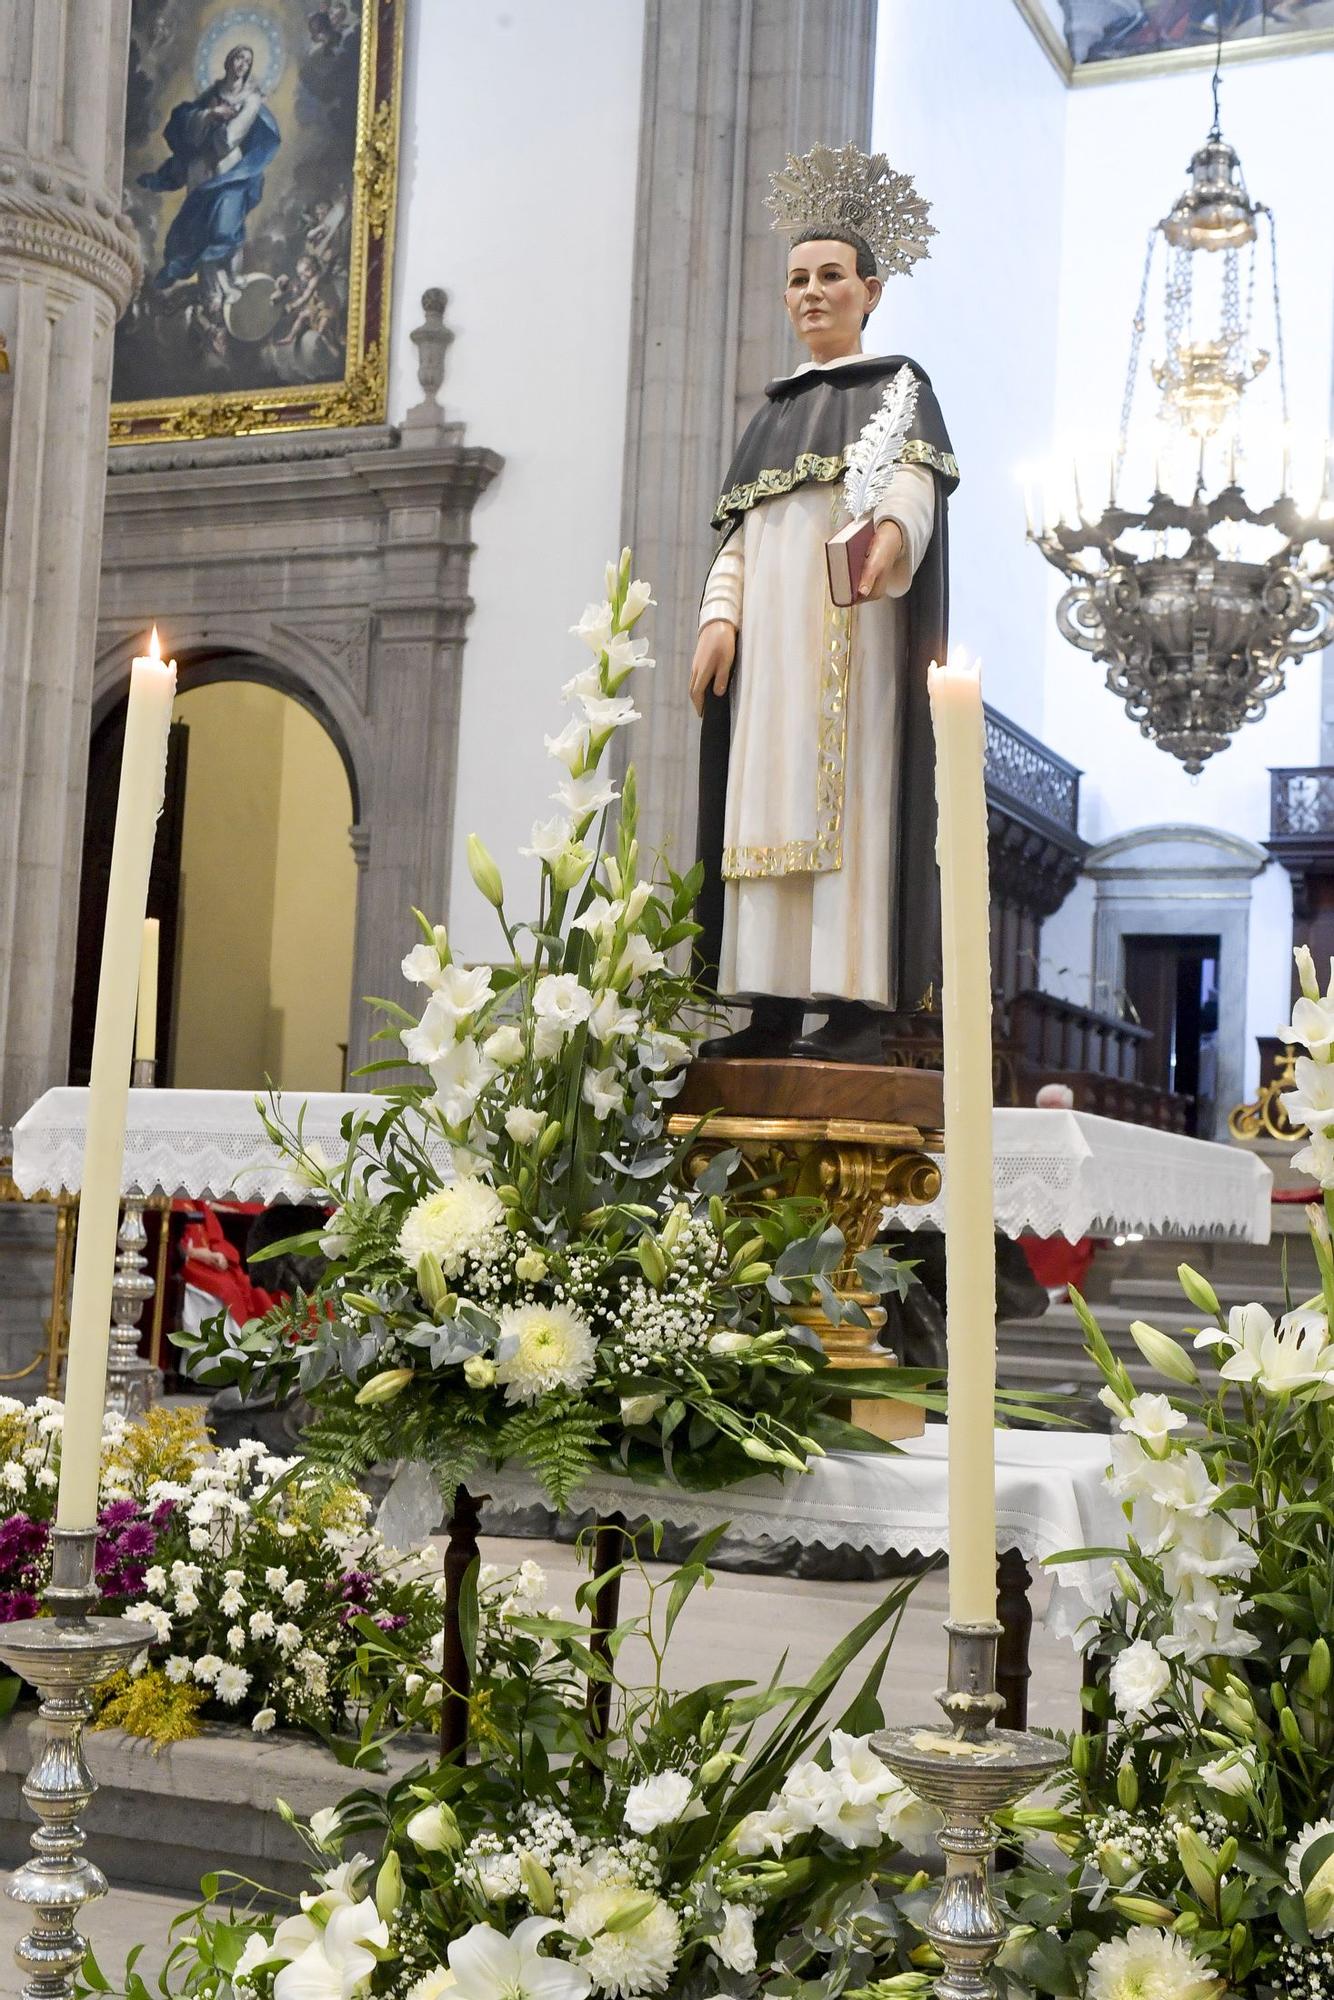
[
  {"x": 68, "y": 264},
  {"x": 730, "y": 88}
]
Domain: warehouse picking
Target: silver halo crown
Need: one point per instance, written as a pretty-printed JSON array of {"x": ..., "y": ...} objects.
[{"x": 861, "y": 191}]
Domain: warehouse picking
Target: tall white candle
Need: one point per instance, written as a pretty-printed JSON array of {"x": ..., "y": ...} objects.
[
  {"x": 145, "y": 1019},
  {"x": 142, "y": 778},
  {"x": 970, "y": 1244}
]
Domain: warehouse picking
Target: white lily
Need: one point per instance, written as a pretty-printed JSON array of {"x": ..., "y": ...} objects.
[
  {"x": 487, "y": 1965},
  {"x": 339, "y": 1962}
]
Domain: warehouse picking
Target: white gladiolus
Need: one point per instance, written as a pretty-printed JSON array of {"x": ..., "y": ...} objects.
[
  {"x": 1311, "y": 1103},
  {"x": 604, "y": 1090},
  {"x": 570, "y": 748},
  {"x": 1138, "y": 1678},
  {"x": 548, "y": 837},
  {"x": 1153, "y": 1419},
  {"x": 610, "y": 712},
  {"x": 638, "y": 597},
  {"x": 595, "y": 627},
  {"x": 657, "y": 1801},
  {"x": 460, "y": 1077},
  {"x": 611, "y": 1020},
  {"x": 1306, "y": 972},
  {"x": 1313, "y": 1026},
  {"x": 585, "y": 794},
  {"x": 909, "y": 1821},
  {"x": 422, "y": 965}
]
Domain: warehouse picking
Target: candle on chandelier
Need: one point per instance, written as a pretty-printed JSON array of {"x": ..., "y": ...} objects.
[
  {"x": 970, "y": 1244},
  {"x": 139, "y": 801},
  {"x": 145, "y": 1019}
]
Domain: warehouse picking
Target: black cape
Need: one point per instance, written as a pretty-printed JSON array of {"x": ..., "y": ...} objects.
[{"x": 802, "y": 432}]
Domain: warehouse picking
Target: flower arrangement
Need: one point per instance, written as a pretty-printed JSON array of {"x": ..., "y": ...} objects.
[
  {"x": 1200, "y": 1825},
  {"x": 720, "y": 1842},
  {"x": 257, "y": 1588},
  {"x": 557, "y": 1299}
]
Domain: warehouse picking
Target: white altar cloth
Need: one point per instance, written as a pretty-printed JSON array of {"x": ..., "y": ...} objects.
[
  {"x": 1051, "y": 1495},
  {"x": 195, "y": 1143},
  {"x": 1073, "y": 1174},
  {"x": 1058, "y": 1173}
]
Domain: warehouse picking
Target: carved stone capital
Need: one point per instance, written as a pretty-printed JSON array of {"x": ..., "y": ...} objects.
[{"x": 47, "y": 221}]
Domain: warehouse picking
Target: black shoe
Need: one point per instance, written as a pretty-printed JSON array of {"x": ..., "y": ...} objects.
[
  {"x": 773, "y": 1027},
  {"x": 854, "y": 1033}
]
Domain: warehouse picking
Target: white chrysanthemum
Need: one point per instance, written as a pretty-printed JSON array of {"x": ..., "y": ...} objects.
[
  {"x": 625, "y": 1963},
  {"x": 541, "y": 1348},
  {"x": 656, "y": 1801},
  {"x": 231, "y": 1685},
  {"x": 1306, "y": 1839},
  {"x": 1149, "y": 1965},
  {"x": 463, "y": 1220},
  {"x": 1137, "y": 1678},
  {"x": 432, "y": 1984}
]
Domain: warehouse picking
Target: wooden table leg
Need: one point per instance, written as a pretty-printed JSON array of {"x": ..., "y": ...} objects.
[
  {"x": 609, "y": 1545},
  {"x": 1015, "y": 1613},
  {"x": 461, "y": 1554}
]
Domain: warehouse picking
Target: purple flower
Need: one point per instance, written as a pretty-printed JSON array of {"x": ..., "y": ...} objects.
[
  {"x": 138, "y": 1540},
  {"x": 162, "y": 1514},
  {"x": 357, "y": 1583},
  {"x": 392, "y": 1621},
  {"x": 117, "y": 1513},
  {"x": 22, "y": 1541},
  {"x": 15, "y": 1604}
]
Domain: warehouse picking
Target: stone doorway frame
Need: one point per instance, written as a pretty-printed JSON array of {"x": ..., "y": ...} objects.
[
  {"x": 334, "y": 567},
  {"x": 1181, "y": 881}
]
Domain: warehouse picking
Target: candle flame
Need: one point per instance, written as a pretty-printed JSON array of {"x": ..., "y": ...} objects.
[{"x": 154, "y": 646}]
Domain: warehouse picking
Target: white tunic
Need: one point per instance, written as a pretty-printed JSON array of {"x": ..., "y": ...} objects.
[{"x": 811, "y": 821}]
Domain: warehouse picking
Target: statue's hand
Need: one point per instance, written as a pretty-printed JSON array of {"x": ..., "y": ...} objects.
[
  {"x": 711, "y": 668},
  {"x": 881, "y": 558}
]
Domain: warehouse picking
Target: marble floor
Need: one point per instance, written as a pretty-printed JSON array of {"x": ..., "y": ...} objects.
[{"x": 737, "y": 1629}]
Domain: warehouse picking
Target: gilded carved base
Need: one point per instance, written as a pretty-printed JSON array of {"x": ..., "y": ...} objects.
[{"x": 854, "y": 1167}]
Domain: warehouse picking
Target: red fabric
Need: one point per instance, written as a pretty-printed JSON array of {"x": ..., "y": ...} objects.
[
  {"x": 1055, "y": 1263},
  {"x": 231, "y": 1285}
]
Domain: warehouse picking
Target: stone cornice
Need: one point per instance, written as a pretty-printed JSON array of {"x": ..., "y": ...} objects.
[{"x": 52, "y": 220}]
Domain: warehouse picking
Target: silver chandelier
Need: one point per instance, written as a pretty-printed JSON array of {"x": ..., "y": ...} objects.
[{"x": 1195, "y": 604}]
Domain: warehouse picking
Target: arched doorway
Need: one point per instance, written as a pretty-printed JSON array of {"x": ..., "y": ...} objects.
[{"x": 254, "y": 883}]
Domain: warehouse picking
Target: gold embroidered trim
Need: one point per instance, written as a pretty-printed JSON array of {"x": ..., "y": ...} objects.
[
  {"x": 824, "y": 854},
  {"x": 775, "y": 480}
]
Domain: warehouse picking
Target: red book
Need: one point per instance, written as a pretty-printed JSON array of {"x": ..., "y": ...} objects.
[{"x": 845, "y": 554}]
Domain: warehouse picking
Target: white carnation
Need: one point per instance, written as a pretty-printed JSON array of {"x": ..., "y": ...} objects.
[
  {"x": 542, "y": 1348},
  {"x": 1138, "y": 1677},
  {"x": 657, "y": 1801},
  {"x": 463, "y": 1220}
]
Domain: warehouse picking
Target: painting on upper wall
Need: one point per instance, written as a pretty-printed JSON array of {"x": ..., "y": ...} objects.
[
  {"x": 261, "y": 158},
  {"x": 1100, "y": 31}
]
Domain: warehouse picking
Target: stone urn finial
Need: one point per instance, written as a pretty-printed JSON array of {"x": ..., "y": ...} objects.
[{"x": 431, "y": 340}]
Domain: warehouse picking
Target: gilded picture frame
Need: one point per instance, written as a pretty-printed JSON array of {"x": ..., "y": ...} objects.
[
  {"x": 261, "y": 170},
  {"x": 1245, "y": 40}
]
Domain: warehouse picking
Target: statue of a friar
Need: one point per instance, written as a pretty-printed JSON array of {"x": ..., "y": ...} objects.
[{"x": 817, "y": 809}]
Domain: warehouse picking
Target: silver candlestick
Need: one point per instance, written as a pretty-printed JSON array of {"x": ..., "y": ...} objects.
[
  {"x": 970, "y": 1771},
  {"x": 133, "y": 1384},
  {"x": 64, "y": 1657}
]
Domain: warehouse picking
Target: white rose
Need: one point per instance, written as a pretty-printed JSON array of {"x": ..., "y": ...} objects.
[
  {"x": 657, "y": 1801},
  {"x": 1138, "y": 1677},
  {"x": 434, "y": 1830},
  {"x": 504, "y": 1048},
  {"x": 524, "y": 1125}
]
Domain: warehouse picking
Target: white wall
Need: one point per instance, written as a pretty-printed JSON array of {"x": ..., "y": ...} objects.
[
  {"x": 1128, "y": 146},
  {"x": 518, "y": 191},
  {"x": 966, "y": 101}
]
